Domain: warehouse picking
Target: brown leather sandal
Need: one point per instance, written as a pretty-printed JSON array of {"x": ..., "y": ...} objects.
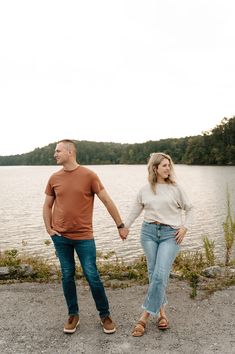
[
  {"x": 139, "y": 329},
  {"x": 161, "y": 324}
]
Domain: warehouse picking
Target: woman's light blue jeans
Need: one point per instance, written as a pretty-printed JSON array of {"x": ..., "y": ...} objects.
[
  {"x": 160, "y": 247},
  {"x": 86, "y": 252}
]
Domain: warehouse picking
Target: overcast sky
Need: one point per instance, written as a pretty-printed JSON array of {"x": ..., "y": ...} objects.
[{"x": 122, "y": 71}]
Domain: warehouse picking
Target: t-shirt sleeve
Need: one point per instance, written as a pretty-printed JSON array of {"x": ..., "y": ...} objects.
[
  {"x": 49, "y": 189},
  {"x": 96, "y": 185}
]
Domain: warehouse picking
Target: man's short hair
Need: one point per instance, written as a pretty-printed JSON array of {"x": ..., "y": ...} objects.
[{"x": 70, "y": 144}]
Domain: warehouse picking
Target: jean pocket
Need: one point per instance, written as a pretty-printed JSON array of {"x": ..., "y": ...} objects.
[{"x": 54, "y": 237}]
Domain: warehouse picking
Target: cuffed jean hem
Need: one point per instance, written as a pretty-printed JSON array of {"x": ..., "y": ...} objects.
[{"x": 153, "y": 313}]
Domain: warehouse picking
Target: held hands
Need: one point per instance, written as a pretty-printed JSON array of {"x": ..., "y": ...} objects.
[
  {"x": 179, "y": 235},
  {"x": 123, "y": 232}
]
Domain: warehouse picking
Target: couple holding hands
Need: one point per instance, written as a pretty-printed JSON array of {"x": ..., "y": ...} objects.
[{"x": 68, "y": 212}]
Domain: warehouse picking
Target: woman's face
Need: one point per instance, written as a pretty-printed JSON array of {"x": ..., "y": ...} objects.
[{"x": 163, "y": 170}]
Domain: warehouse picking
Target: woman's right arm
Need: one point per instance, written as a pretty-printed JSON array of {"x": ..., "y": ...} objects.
[{"x": 137, "y": 208}]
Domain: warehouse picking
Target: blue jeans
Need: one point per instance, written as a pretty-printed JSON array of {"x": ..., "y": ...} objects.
[
  {"x": 86, "y": 252},
  {"x": 160, "y": 247}
]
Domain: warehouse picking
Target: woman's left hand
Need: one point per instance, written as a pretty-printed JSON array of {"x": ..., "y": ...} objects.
[{"x": 179, "y": 235}]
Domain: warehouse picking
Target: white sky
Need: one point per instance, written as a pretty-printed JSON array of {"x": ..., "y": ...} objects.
[{"x": 122, "y": 71}]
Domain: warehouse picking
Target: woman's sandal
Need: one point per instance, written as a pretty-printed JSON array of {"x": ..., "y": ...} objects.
[
  {"x": 139, "y": 329},
  {"x": 162, "y": 322}
]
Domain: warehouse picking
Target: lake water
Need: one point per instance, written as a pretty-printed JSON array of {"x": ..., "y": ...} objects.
[{"x": 22, "y": 196}]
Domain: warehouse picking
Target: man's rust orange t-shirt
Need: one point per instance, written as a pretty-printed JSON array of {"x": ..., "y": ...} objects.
[{"x": 74, "y": 193}]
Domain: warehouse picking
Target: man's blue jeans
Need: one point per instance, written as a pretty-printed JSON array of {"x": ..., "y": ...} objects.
[
  {"x": 160, "y": 248},
  {"x": 86, "y": 251}
]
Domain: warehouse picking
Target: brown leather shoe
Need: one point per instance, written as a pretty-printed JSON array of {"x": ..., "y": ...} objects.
[
  {"x": 108, "y": 325},
  {"x": 71, "y": 325}
]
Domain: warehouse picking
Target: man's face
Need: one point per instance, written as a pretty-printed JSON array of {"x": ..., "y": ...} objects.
[{"x": 61, "y": 154}]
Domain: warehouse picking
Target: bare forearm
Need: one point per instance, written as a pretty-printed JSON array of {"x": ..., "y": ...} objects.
[
  {"x": 113, "y": 211},
  {"x": 47, "y": 217}
]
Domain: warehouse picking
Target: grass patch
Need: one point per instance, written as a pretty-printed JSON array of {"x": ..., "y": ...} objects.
[
  {"x": 229, "y": 231},
  {"x": 212, "y": 285},
  {"x": 209, "y": 247},
  {"x": 189, "y": 262},
  {"x": 10, "y": 258},
  {"x": 117, "y": 274},
  {"x": 190, "y": 266},
  {"x": 27, "y": 268}
]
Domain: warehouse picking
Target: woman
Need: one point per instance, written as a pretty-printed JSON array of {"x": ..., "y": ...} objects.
[{"x": 162, "y": 232}]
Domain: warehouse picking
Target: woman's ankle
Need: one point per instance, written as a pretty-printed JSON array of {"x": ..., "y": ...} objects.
[
  {"x": 144, "y": 317},
  {"x": 162, "y": 313}
]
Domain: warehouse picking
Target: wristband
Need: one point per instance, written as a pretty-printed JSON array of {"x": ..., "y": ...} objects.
[{"x": 121, "y": 226}]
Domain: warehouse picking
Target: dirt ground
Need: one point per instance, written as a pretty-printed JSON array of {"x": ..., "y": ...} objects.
[{"x": 32, "y": 318}]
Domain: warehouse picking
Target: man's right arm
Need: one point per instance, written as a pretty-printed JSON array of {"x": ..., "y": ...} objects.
[{"x": 47, "y": 214}]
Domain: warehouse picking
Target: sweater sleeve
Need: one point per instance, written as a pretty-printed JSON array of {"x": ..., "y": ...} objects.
[
  {"x": 185, "y": 205},
  {"x": 136, "y": 210}
]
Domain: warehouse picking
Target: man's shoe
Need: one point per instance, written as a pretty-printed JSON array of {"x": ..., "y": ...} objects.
[
  {"x": 71, "y": 325},
  {"x": 108, "y": 325}
]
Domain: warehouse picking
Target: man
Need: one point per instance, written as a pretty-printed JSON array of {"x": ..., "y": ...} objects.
[{"x": 67, "y": 214}]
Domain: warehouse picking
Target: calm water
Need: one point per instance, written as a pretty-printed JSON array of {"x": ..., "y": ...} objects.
[{"x": 22, "y": 197}]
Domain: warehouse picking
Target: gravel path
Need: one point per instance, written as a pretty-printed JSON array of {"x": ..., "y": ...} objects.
[{"x": 32, "y": 317}]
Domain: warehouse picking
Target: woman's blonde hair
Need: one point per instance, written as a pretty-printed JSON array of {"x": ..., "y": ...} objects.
[{"x": 153, "y": 163}]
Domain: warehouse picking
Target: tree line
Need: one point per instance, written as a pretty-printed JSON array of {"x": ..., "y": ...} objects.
[{"x": 214, "y": 147}]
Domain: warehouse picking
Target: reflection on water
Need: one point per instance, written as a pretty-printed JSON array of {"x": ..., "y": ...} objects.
[{"x": 22, "y": 196}]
